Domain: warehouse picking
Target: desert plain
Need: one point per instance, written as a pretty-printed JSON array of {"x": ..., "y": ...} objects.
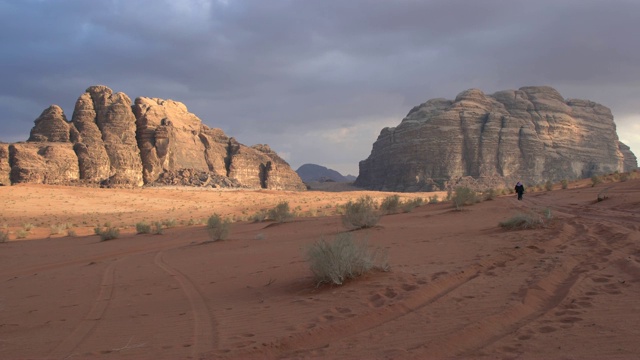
[{"x": 459, "y": 285}]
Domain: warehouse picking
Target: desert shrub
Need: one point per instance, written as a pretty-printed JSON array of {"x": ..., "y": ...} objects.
[
  {"x": 489, "y": 194},
  {"x": 259, "y": 216},
  {"x": 143, "y": 228},
  {"x": 602, "y": 195},
  {"x": 433, "y": 199},
  {"x": 548, "y": 185},
  {"x": 409, "y": 205},
  {"x": 4, "y": 236},
  {"x": 523, "y": 221},
  {"x": 463, "y": 196},
  {"x": 624, "y": 177},
  {"x": 595, "y": 180},
  {"x": 342, "y": 259},
  {"x": 169, "y": 223},
  {"x": 158, "y": 229},
  {"x": 27, "y": 226},
  {"x": 108, "y": 233},
  {"x": 21, "y": 234},
  {"x": 218, "y": 229},
  {"x": 564, "y": 183},
  {"x": 71, "y": 233},
  {"x": 390, "y": 204},
  {"x": 280, "y": 213},
  {"x": 361, "y": 213}
]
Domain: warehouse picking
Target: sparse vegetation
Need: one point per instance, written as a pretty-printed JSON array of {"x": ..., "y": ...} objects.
[
  {"x": 548, "y": 186},
  {"x": 564, "y": 183},
  {"x": 489, "y": 194},
  {"x": 4, "y": 236},
  {"x": 280, "y": 213},
  {"x": 108, "y": 233},
  {"x": 218, "y": 229},
  {"x": 390, "y": 204},
  {"x": 595, "y": 180},
  {"x": 169, "y": 223},
  {"x": 361, "y": 213},
  {"x": 71, "y": 233},
  {"x": 433, "y": 199},
  {"x": 157, "y": 228},
  {"x": 409, "y": 205},
  {"x": 27, "y": 226},
  {"x": 602, "y": 195},
  {"x": 527, "y": 220},
  {"x": 463, "y": 196},
  {"x": 21, "y": 234},
  {"x": 259, "y": 216},
  {"x": 143, "y": 228},
  {"x": 342, "y": 259}
]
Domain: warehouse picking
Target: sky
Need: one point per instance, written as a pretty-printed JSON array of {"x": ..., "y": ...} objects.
[{"x": 315, "y": 79}]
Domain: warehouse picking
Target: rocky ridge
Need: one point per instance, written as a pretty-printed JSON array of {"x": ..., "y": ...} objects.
[
  {"x": 532, "y": 134},
  {"x": 114, "y": 142}
]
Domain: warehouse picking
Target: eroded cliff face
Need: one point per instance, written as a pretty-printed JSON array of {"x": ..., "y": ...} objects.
[
  {"x": 532, "y": 134},
  {"x": 114, "y": 143}
]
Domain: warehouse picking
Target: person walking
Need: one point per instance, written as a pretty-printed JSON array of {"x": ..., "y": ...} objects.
[{"x": 519, "y": 190}]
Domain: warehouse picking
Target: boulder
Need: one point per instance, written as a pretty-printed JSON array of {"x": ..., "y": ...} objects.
[{"x": 532, "y": 134}]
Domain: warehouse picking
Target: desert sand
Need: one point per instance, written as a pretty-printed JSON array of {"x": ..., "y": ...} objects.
[{"x": 460, "y": 286}]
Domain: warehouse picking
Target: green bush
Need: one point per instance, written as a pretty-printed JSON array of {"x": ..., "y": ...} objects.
[
  {"x": 218, "y": 229},
  {"x": 489, "y": 194},
  {"x": 143, "y": 228},
  {"x": 433, "y": 199},
  {"x": 548, "y": 185},
  {"x": 342, "y": 259},
  {"x": 21, "y": 234},
  {"x": 259, "y": 216},
  {"x": 525, "y": 221},
  {"x": 390, "y": 204},
  {"x": 158, "y": 229},
  {"x": 169, "y": 223},
  {"x": 109, "y": 233},
  {"x": 280, "y": 213},
  {"x": 564, "y": 183},
  {"x": 361, "y": 213},
  {"x": 463, "y": 196},
  {"x": 409, "y": 205}
]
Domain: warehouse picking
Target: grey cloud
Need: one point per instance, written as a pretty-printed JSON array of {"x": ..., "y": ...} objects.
[{"x": 277, "y": 71}]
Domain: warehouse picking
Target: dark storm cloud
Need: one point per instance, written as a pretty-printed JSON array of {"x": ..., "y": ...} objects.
[{"x": 316, "y": 79}]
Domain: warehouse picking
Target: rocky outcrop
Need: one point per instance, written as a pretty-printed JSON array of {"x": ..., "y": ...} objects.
[
  {"x": 630, "y": 160},
  {"x": 107, "y": 147},
  {"x": 5, "y": 168},
  {"x": 113, "y": 143},
  {"x": 53, "y": 126},
  {"x": 531, "y": 135},
  {"x": 43, "y": 163},
  {"x": 313, "y": 172}
]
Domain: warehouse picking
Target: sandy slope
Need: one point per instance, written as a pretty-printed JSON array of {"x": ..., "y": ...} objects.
[{"x": 459, "y": 286}]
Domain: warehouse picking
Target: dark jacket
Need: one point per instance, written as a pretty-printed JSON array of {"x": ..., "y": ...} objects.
[{"x": 520, "y": 189}]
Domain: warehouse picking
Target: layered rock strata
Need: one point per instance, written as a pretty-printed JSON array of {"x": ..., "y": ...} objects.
[
  {"x": 532, "y": 134},
  {"x": 115, "y": 143}
]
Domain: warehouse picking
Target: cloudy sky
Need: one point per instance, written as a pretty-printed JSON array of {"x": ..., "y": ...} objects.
[{"x": 315, "y": 79}]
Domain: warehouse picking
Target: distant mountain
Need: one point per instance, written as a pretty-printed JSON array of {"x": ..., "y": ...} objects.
[{"x": 313, "y": 172}]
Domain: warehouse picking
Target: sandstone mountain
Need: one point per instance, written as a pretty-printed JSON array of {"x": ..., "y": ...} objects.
[
  {"x": 532, "y": 135},
  {"x": 111, "y": 141},
  {"x": 313, "y": 172}
]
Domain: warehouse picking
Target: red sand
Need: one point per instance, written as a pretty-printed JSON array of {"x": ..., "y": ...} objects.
[{"x": 459, "y": 285}]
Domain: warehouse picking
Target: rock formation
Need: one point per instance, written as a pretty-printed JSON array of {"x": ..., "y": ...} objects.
[
  {"x": 531, "y": 134},
  {"x": 313, "y": 172},
  {"x": 113, "y": 143}
]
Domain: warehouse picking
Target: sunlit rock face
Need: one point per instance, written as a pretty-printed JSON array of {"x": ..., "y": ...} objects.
[
  {"x": 113, "y": 142},
  {"x": 532, "y": 135}
]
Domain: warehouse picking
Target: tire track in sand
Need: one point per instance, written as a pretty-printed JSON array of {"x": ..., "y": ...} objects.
[
  {"x": 89, "y": 322},
  {"x": 204, "y": 336}
]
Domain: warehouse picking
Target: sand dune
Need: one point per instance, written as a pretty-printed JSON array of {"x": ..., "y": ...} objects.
[{"x": 459, "y": 286}]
